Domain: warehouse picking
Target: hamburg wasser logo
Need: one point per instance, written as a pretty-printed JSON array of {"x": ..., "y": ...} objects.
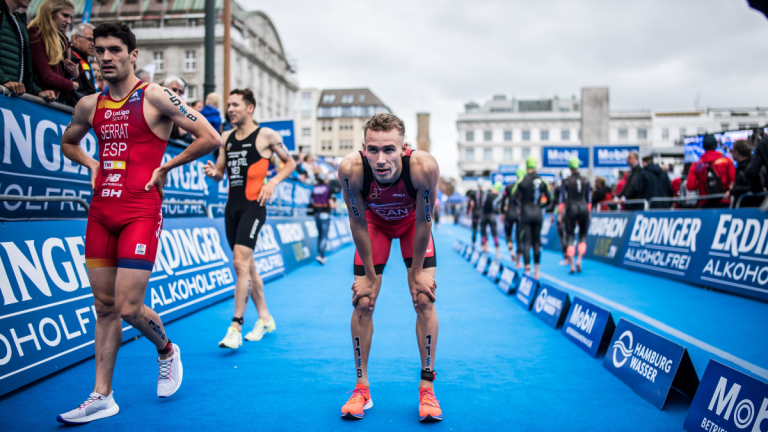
[{"x": 625, "y": 351}]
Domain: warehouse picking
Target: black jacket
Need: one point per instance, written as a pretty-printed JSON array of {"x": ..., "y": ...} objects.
[
  {"x": 745, "y": 184},
  {"x": 87, "y": 85},
  {"x": 629, "y": 191},
  {"x": 12, "y": 36},
  {"x": 653, "y": 182}
]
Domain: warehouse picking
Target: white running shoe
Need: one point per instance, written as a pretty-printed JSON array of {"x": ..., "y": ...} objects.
[
  {"x": 94, "y": 408},
  {"x": 171, "y": 373},
  {"x": 259, "y": 330},
  {"x": 321, "y": 260},
  {"x": 232, "y": 340}
]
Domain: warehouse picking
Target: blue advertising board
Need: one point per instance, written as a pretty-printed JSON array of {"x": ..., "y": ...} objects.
[
  {"x": 285, "y": 129},
  {"x": 508, "y": 280},
  {"x": 475, "y": 257},
  {"x": 728, "y": 400},
  {"x": 482, "y": 264},
  {"x": 526, "y": 291},
  {"x": 551, "y": 305},
  {"x": 558, "y": 157},
  {"x": 606, "y": 236},
  {"x": 494, "y": 270},
  {"x": 650, "y": 364},
  {"x": 665, "y": 243},
  {"x": 612, "y": 156},
  {"x": 47, "y": 316},
  {"x": 508, "y": 169},
  {"x": 503, "y": 178},
  {"x": 588, "y": 326},
  {"x": 733, "y": 253}
]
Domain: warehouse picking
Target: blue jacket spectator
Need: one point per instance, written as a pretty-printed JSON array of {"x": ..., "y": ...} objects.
[{"x": 211, "y": 112}]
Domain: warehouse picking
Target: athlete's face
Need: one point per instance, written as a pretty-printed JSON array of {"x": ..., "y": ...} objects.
[
  {"x": 384, "y": 151},
  {"x": 239, "y": 112},
  {"x": 114, "y": 58}
]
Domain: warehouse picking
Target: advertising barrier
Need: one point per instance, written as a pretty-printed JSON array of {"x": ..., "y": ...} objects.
[
  {"x": 526, "y": 291},
  {"x": 508, "y": 280},
  {"x": 494, "y": 271},
  {"x": 47, "y": 317},
  {"x": 558, "y": 157},
  {"x": 588, "y": 326},
  {"x": 728, "y": 400},
  {"x": 474, "y": 258},
  {"x": 606, "y": 236},
  {"x": 611, "y": 156},
  {"x": 551, "y": 305},
  {"x": 482, "y": 264},
  {"x": 651, "y": 365}
]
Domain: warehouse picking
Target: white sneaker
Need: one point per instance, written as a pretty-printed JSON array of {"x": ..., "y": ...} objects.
[
  {"x": 171, "y": 373},
  {"x": 321, "y": 260},
  {"x": 564, "y": 262},
  {"x": 232, "y": 340},
  {"x": 259, "y": 330},
  {"x": 94, "y": 408}
]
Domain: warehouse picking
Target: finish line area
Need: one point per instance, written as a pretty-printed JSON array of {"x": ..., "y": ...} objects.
[{"x": 499, "y": 367}]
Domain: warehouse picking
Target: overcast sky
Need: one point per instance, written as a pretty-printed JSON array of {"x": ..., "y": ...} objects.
[{"x": 435, "y": 55}]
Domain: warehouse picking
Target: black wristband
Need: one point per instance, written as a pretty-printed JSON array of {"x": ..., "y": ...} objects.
[
  {"x": 428, "y": 375},
  {"x": 238, "y": 320}
]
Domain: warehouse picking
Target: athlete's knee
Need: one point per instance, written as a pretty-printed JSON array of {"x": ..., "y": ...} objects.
[
  {"x": 363, "y": 306},
  {"x": 242, "y": 265},
  {"x": 423, "y": 303},
  {"x": 131, "y": 312},
  {"x": 105, "y": 307}
]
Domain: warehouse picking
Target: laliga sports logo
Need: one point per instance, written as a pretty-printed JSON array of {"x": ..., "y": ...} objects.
[
  {"x": 626, "y": 350},
  {"x": 541, "y": 301}
]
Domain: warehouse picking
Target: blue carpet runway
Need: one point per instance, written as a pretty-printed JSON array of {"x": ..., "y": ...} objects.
[{"x": 499, "y": 368}]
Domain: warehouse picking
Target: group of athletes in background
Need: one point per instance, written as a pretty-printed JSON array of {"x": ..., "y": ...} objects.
[
  {"x": 390, "y": 191},
  {"x": 521, "y": 206}
]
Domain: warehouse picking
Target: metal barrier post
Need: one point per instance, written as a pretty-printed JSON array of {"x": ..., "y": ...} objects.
[{"x": 78, "y": 200}]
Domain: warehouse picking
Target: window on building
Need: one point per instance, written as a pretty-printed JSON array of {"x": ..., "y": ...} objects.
[
  {"x": 488, "y": 135},
  {"x": 683, "y": 132},
  {"x": 347, "y": 98},
  {"x": 526, "y": 152},
  {"x": 470, "y": 136},
  {"x": 327, "y": 125},
  {"x": 544, "y": 134},
  {"x": 325, "y": 145},
  {"x": 526, "y": 135},
  {"x": 469, "y": 154},
  {"x": 623, "y": 133},
  {"x": 157, "y": 59},
  {"x": 329, "y": 98},
  {"x": 361, "y": 99},
  {"x": 665, "y": 133},
  {"x": 565, "y": 135},
  {"x": 725, "y": 126},
  {"x": 642, "y": 134},
  {"x": 507, "y": 135},
  {"x": 701, "y": 131},
  {"x": 488, "y": 154},
  {"x": 192, "y": 93},
  {"x": 507, "y": 154},
  {"x": 190, "y": 61},
  {"x": 306, "y": 132},
  {"x": 345, "y": 125}
]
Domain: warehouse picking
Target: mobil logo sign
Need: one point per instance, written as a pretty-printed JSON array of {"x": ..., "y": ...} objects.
[
  {"x": 558, "y": 157},
  {"x": 728, "y": 400},
  {"x": 612, "y": 156},
  {"x": 665, "y": 243},
  {"x": 735, "y": 253},
  {"x": 589, "y": 326},
  {"x": 606, "y": 236},
  {"x": 650, "y": 364}
]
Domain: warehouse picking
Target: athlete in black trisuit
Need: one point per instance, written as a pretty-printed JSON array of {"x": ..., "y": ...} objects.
[
  {"x": 487, "y": 219},
  {"x": 510, "y": 211},
  {"x": 576, "y": 199},
  {"x": 532, "y": 193},
  {"x": 475, "y": 209}
]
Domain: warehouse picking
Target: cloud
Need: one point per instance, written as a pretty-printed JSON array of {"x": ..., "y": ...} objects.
[{"x": 435, "y": 56}]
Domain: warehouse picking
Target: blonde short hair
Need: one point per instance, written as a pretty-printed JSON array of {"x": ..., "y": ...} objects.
[{"x": 213, "y": 99}]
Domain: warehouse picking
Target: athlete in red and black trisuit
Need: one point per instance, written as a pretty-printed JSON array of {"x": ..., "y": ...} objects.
[
  {"x": 247, "y": 150},
  {"x": 390, "y": 192},
  {"x": 576, "y": 199},
  {"x": 132, "y": 121}
]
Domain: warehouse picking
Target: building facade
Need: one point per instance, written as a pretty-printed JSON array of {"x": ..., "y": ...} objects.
[
  {"x": 171, "y": 35},
  {"x": 306, "y": 119},
  {"x": 340, "y": 118},
  {"x": 422, "y": 132}
]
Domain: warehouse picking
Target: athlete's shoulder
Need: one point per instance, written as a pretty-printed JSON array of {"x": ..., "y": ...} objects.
[
  {"x": 351, "y": 164},
  {"x": 269, "y": 133},
  {"x": 226, "y": 134},
  {"x": 87, "y": 104},
  {"x": 423, "y": 160}
]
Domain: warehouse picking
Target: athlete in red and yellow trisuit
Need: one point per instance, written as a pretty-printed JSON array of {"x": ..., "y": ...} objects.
[
  {"x": 132, "y": 121},
  {"x": 390, "y": 191}
]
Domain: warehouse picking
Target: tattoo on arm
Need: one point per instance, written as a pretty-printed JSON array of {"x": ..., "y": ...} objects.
[
  {"x": 177, "y": 102},
  {"x": 351, "y": 198},
  {"x": 427, "y": 216}
]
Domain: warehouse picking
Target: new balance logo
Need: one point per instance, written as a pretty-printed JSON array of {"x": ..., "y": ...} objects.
[{"x": 113, "y": 178}]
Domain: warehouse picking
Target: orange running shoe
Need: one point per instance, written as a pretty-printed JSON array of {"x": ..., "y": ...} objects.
[
  {"x": 429, "y": 409},
  {"x": 357, "y": 404}
]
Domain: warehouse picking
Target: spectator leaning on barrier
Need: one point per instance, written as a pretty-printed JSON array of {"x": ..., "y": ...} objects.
[
  {"x": 712, "y": 174},
  {"x": 50, "y": 50},
  {"x": 653, "y": 182},
  {"x": 211, "y": 110},
  {"x": 82, "y": 49},
  {"x": 602, "y": 193},
  {"x": 16, "y": 71},
  {"x": 628, "y": 192},
  {"x": 742, "y": 154}
]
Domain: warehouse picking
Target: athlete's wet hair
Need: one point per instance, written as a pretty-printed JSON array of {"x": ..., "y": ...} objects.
[
  {"x": 384, "y": 122},
  {"x": 247, "y": 96},
  {"x": 117, "y": 29}
]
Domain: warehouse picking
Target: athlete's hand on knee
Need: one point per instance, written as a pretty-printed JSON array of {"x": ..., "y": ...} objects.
[
  {"x": 422, "y": 282},
  {"x": 364, "y": 287},
  {"x": 159, "y": 176},
  {"x": 267, "y": 192}
]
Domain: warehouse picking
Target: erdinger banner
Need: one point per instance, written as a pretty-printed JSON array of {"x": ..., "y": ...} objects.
[
  {"x": 649, "y": 364},
  {"x": 188, "y": 182},
  {"x": 734, "y": 253},
  {"x": 728, "y": 400},
  {"x": 606, "y": 236},
  {"x": 665, "y": 243}
]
